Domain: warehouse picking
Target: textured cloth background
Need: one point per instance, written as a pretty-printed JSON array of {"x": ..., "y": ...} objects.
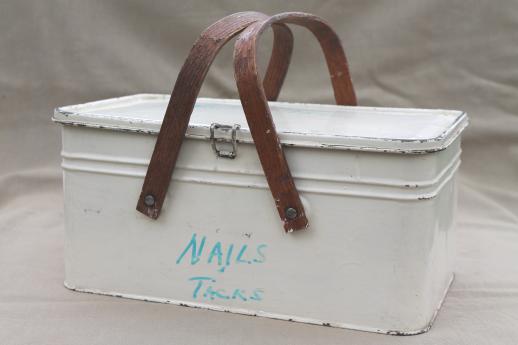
[{"x": 428, "y": 54}]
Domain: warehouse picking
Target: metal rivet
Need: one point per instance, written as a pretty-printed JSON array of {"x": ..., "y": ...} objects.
[
  {"x": 291, "y": 213},
  {"x": 149, "y": 200}
]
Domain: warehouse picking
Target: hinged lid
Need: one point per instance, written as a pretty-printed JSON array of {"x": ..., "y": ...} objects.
[{"x": 401, "y": 130}]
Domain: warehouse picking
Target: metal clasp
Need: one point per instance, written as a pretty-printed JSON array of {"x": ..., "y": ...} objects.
[{"x": 232, "y": 140}]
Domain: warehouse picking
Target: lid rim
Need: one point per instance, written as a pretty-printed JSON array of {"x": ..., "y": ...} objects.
[{"x": 72, "y": 115}]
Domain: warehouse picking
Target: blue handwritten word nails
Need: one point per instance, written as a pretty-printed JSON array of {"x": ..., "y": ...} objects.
[{"x": 221, "y": 255}]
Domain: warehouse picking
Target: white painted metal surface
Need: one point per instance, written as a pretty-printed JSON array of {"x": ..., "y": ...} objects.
[{"x": 378, "y": 186}]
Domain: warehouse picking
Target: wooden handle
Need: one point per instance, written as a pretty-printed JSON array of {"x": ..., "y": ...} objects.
[
  {"x": 254, "y": 101},
  {"x": 185, "y": 92}
]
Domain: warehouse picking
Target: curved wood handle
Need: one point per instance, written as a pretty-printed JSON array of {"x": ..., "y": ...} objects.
[
  {"x": 258, "y": 114},
  {"x": 185, "y": 92}
]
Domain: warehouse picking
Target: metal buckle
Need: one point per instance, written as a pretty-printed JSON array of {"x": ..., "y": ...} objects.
[{"x": 232, "y": 140}]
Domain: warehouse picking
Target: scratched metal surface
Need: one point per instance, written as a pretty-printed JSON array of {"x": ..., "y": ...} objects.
[{"x": 438, "y": 54}]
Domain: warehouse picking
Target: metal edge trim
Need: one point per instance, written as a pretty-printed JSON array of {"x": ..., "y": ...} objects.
[
  {"x": 267, "y": 314},
  {"x": 372, "y": 182},
  {"x": 373, "y": 195},
  {"x": 440, "y": 142}
]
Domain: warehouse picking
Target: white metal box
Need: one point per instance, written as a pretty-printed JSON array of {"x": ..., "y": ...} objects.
[{"x": 378, "y": 185}]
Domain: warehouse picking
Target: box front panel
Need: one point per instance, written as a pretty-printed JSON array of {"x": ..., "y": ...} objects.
[{"x": 374, "y": 257}]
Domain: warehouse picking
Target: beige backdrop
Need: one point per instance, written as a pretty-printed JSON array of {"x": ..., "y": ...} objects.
[{"x": 436, "y": 54}]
